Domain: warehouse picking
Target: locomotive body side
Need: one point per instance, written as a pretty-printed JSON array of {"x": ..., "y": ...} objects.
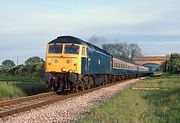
[{"x": 98, "y": 62}]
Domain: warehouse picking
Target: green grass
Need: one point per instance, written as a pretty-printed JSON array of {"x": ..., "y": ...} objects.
[
  {"x": 20, "y": 78},
  {"x": 14, "y": 90},
  {"x": 12, "y": 86},
  {"x": 140, "y": 106}
]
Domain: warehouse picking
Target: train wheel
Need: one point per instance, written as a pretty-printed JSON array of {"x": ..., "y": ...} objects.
[
  {"x": 90, "y": 82},
  {"x": 85, "y": 81},
  {"x": 72, "y": 86},
  {"x": 103, "y": 83},
  {"x": 106, "y": 80},
  {"x": 77, "y": 87},
  {"x": 52, "y": 85},
  {"x": 82, "y": 85},
  {"x": 49, "y": 85}
]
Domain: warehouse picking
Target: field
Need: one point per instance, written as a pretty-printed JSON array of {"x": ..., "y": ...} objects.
[{"x": 154, "y": 100}]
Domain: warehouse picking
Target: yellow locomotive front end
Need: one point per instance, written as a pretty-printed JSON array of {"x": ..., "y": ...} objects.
[
  {"x": 62, "y": 58},
  {"x": 63, "y": 65}
]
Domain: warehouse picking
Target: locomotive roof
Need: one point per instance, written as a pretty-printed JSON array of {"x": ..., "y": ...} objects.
[
  {"x": 71, "y": 39},
  {"x": 67, "y": 39}
]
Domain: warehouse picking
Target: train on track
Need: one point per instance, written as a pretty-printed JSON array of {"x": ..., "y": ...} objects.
[{"x": 74, "y": 64}]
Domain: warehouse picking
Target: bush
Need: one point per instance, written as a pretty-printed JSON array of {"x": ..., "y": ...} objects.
[{"x": 174, "y": 63}]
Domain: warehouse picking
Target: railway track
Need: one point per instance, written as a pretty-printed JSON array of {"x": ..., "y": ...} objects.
[{"x": 14, "y": 106}]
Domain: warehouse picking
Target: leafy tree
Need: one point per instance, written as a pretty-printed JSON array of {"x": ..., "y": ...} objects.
[
  {"x": 29, "y": 69},
  {"x": 34, "y": 60},
  {"x": 18, "y": 69},
  {"x": 39, "y": 67},
  {"x": 34, "y": 66},
  {"x": 174, "y": 63},
  {"x": 8, "y": 64}
]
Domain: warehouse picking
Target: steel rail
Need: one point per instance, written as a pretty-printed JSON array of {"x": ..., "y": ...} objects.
[{"x": 44, "y": 102}]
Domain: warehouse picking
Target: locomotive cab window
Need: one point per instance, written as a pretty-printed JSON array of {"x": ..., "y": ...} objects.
[
  {"x": 83, "y": 51},
  {"x": 71, "y": 49},
  {"x": 55, "y": 49}
]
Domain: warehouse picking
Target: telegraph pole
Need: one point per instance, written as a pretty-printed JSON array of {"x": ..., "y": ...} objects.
[{"x": 17, "y": 60}]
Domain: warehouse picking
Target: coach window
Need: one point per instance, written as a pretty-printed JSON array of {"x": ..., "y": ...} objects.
[{"x": 114, "y": 64}]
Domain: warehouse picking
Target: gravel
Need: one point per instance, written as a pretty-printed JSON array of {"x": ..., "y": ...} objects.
[{"x": 70, "y": 109}]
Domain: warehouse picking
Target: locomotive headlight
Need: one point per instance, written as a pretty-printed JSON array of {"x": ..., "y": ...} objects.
[
  {"x": 70, "y": 71},
  {"x": 55, "y": 61},
  {"x": 63, "y": 69},
  {"x": 49, "y": 59},
  {"x": 75, "y": 61},
  {"x": 68, "y": 61}
]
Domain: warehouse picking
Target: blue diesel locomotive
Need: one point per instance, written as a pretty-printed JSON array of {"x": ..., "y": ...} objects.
[{"x": 74, "y": 64}]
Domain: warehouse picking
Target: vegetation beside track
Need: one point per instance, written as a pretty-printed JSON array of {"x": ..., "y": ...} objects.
[
  {"x": 20, "y": 89},
  {"x": 161, "y": 104},
  {"x": 31, "y": 71},
  {"x": 20, "y": 78}
]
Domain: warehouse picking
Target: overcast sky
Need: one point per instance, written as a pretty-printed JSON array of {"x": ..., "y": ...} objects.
[{"x": 27, "y": 26}]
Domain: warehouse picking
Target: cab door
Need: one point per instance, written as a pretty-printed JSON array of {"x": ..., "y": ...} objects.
[{"x": 84, "y": 60}]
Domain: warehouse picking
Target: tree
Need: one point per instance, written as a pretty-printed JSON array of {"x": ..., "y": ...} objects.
[
  {"x": 34, "y": 66},
  {"x": 8, "y": 64},
  {"x": 34, "y": 60},
  {"x": 134, "y": 51},
  {"x": 19, "y": 69},
  {"x": 174, "y": 63},
  {"x": 123, "y": 50},
  {"x": 117, "y": 50}
]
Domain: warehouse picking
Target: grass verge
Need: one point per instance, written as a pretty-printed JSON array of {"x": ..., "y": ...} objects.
[
  {"x": 142, "y": 106},
  {"x": 20, "y": 78},
  {"x": 14, "y": 90}
]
